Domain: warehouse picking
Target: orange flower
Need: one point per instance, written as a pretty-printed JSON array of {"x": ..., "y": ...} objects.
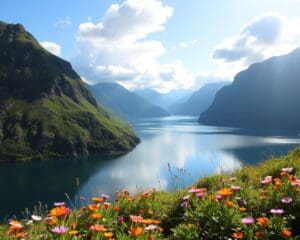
[
  {"x": 286, "y": 233},
  {"x": 148, "y": 221},
  {"x": 136, "y": 231},
  {"x": 73, "y": 232},
  {"x": 262, "y": 197},
  {"x": 98, "y": 228},
  {"x": 238, "y": 235},
  {"x": 136, "y": 219},
  {"x": 264, "y": 191},
  {"x": 156, "y": 222},
  {"x": 108, "y": 234},
  {"x": 116, "y": 208},
  {"x": 59, "y": 211},
  {"x": 282, "y": 174},
  {"x": 50, "y": 221},
  {"x": 258, "y": 234},
  {"x": 242, "y": 209},
  {"x": 229, "y": 204},
  {"x": 262, "y": 221},
  {"x": 96, "y": 216},
  {"x": 225, "y": 192},
  {"x": 212, "y": 197},
  {"x": 21, "y": 235},
  {"x": 97, "y": 199},
  {"x": 93, "y": 207}
]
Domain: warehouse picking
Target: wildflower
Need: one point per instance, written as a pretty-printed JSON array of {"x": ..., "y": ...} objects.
[
  {"x": 59, "y": 204},
  {"x": 136, "y": 231},
  {"x": 106, "y": 205},
  {"x": 238, "y": 235},
  {"x": 187, "y": 197},
  {"x": 50, "y": 221},
  {"x": 146, "y": 194},
  {"x": 262, "y": 221},
  {"x": 120, "y": 219},
  {"x": 184, "y": 204},
  {"x": 267, "y": 180},
  {"x": 116, "y": 208},
  {"x": 286, "y": 200},
  {"x": 60, "y": 230},
  {"x": 73, "y": 232},
  {"x": 247, "y": 220},
  {"x": 277, "y": 211},
  {"x": 219, "y": 197},
  {"x": 150, "y": 228},
  {"x": 200, "y": 195},
  {"x": 258, "y": 234},
  {"x": 195, "y": 190},
  {"x": 136, "y": 219},
  {"x": 286, "y": 233},
  {"x": 229, "y": 204},
  {"x": 232, "y": 179},
  {"x": 225, "y": 192},
  {"x": 97, "y": 199},
  {"x": 287, "y": 169},
  {"x": 15, "y": 224},
  {"x": 235, "y": 188},
  {"x": 98, "y": 228},
  {"x": 21, "y": 235},
  {"x": 104, "y": 196},
  {"x": 96, "y": 216},
  {"x": 148, "y": 221},
  {"x": 242, "y": 209},
  {"x": 156, "y": 222},
  {"x": 93, "y": 207},
  {"x": 59, "y": 211},
  {"x": 36, "y": 218},
  {"x": 108, "y": 234}
]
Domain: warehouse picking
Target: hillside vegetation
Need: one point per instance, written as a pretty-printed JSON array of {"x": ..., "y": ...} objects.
[
  {"x": 261, "y": 202},
  {"x": 45, "y": 109}
]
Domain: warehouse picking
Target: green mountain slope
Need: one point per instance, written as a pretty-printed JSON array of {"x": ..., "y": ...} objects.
[
  {"x": 125, "y": 103},
  {"x": 265, "y": 96},
  {"x": 45, "y": 109}
]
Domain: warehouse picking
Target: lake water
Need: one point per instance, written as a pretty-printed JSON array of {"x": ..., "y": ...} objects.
[{"x": 174, "y": 152}]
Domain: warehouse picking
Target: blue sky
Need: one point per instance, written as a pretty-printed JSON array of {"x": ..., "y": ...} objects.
[{"x": 164, "y": 44}]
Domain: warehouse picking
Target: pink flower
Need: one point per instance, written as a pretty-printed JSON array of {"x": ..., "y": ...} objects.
[
  {"x": 219, "y": 197},
  {"x": 235, "y": 188},
  {"x": 247, "y": 220},
  {"x": 286, "y": 200},
  {"x": 194, "y": 190},
  {"x": 184, "y": 204},
  {"x": 60, "y": 230},
  {"x": 267, "y": 180},
  {"x": 200, "y": 195},
  {"x": 232, "y": 179},
  {"x": 104, "y": 196}
]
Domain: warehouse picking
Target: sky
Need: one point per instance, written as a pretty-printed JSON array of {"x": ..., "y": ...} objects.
[{"x": 160, "y": 44}]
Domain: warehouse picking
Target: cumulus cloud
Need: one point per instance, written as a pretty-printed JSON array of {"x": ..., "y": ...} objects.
[
  {"x": 118, "y": 47},
  {"x": 52, "y": 47},
  {"x": 262, "y": 37}
]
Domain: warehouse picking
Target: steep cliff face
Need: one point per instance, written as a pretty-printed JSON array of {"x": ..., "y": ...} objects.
[
  {"x": 265, "y": 96},
  {"x": 45, "y": 109}
]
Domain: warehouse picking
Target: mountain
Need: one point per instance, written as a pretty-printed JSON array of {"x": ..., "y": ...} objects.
[
  {"x": 199, "y": 101},
  {"x": 265, "y": 96},
  {"x": 45, "y": 109},
  {"x": 125, "y": 103},
  {"x": 164, "y": 100}
]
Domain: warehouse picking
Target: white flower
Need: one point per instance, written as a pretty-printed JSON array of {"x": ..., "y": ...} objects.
[{"x": 36, "y": 218}]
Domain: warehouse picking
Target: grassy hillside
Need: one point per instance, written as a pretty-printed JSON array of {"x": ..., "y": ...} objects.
[
  {"x": 45, "y": 109},
  {"x": 261, "y": 202}
]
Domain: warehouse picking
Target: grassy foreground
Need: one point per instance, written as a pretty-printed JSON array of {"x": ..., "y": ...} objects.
[{"x": 261, "y": 202}]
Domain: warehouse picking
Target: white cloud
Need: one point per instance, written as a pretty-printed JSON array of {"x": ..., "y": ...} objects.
[
  {"x": 187, "y": 44},
  {"x": 62, "y": 23},
  {"x": 52, "y": 47},
  {"x": 270, "y": 34}
]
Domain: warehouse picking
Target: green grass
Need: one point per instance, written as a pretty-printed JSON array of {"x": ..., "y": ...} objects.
[{"x": 184, "y": 214}]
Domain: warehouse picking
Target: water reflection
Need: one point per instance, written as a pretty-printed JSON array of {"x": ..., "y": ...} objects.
[{"x": 174, "y": 146}]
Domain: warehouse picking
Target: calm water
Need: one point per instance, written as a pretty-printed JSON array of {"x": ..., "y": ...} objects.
[{"x": 173, "y": 146}]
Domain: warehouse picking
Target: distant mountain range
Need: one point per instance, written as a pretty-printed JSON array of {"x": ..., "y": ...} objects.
[
  {"x": 199, "y": 101},
  {"x": 125, "y": 103},
  {"x": 45, "y": 109},
  {"x": 265, "y": 96},
  {"x": 164, "y": 100}
]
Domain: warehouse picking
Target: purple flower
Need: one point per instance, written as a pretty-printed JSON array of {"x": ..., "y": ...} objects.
[
  {"x": 286, "y": 200},
  {"x": 104, "y": 196},
  {"x": 277, "y": 211},
  {"x": 120, "y": 219},
  {"x": 235, "y": 188},
  {"x": 219, "y": 197},
  {"x": 59, "y": 204},
  {"x": 247, "y": 220},
  {"x": 60, "y": 230}
]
